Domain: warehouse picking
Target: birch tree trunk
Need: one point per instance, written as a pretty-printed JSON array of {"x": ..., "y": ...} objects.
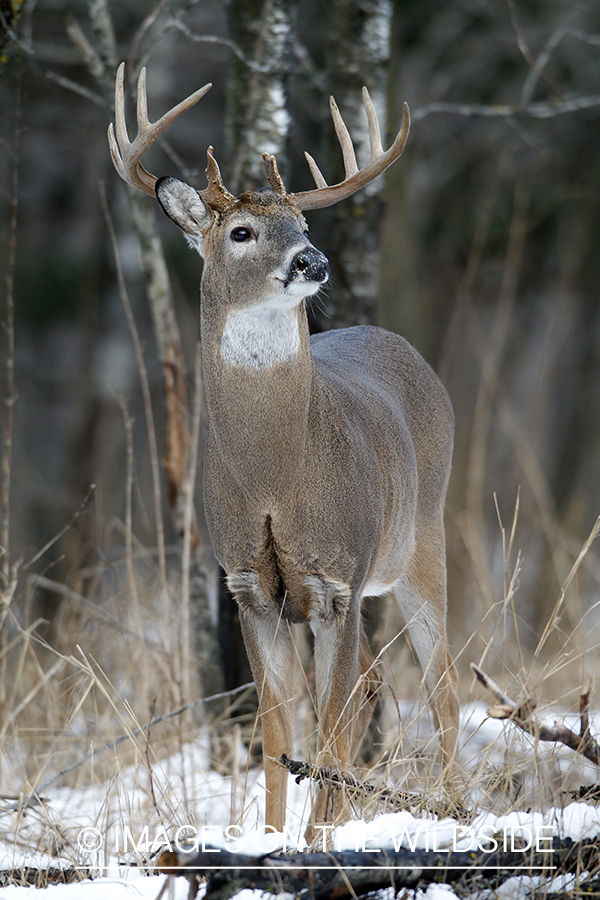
[
  {"x": 359, "y": 55},
  {"x": 258, "y": 118}
]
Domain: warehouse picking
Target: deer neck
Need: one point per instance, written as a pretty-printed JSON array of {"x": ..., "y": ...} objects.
[{"x": 258, "y": 373}]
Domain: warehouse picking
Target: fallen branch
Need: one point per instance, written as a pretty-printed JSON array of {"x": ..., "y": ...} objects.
[
  {"x": 328, "y": 777},
  {"x": 325, "y": 876},
  {"x": 521, "y": 716}
]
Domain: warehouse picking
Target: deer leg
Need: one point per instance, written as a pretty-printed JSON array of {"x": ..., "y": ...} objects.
[
  {"x": 421, "y": 594},
  {"x": 365, "y": 696},
  {"x": 269, "y": 647},
  {"x": 336, "y": 626}
]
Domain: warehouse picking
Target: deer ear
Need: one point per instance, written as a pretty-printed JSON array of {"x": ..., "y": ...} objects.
[{"x": 185, "y": 207}]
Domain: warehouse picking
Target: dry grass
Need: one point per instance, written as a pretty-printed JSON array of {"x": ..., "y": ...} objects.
[{"x": 110, "y": 670}]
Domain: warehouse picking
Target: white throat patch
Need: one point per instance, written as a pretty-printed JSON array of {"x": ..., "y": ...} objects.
[{"x": 260, "y": 336}]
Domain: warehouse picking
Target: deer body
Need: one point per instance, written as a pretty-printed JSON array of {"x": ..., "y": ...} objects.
[{"x": 326, "y": 468}]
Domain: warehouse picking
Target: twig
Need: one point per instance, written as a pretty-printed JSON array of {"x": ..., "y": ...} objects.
[
  {"x": 75, "y": 87},
  {"x": 508, "y": 110},
  {"x": 526, "y": 52},
  {"x": 223, "y": 42},
  {"x": 521, "y": 717},
  {"x": 328, "y": 777},
  {"x": 584, "y": 700},
  {"x": 542, "y": 60},
  {"x": 89, "y": 55}
]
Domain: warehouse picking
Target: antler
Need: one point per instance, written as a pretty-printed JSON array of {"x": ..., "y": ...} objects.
[
  {"x": 356, "y": 178},
  {"x": 125, "y": 154}
]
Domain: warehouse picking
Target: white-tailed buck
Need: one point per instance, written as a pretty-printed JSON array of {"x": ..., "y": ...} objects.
[{"x": 327, "y": 459}]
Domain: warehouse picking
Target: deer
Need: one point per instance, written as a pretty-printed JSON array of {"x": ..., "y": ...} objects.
[{"x": 327, "y": 457}]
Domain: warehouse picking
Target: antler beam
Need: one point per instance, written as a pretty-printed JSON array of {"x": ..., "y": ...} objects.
[{"x": 356, "y": 178}]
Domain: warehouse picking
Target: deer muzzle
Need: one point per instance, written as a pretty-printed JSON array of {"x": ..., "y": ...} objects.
[{"x": 309, "y": 265}]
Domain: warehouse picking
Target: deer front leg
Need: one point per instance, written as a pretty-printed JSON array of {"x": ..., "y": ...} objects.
[
  {"x": 269, "y": 647},
  {"x": 336, "y": 626}
]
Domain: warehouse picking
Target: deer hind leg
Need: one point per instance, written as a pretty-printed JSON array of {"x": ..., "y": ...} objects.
[
  {"x": 368, "y": 684},
  {"x": 421, "y": 594},
  {"x": 269, "y": 647},
  {"x": 345, "y": 701}
]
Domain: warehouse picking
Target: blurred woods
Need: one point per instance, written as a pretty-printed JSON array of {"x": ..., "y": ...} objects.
[{"x": 480, "y": 246}]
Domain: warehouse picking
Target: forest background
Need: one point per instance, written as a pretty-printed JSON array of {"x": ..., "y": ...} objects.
[{"x": 480, "y": 246}]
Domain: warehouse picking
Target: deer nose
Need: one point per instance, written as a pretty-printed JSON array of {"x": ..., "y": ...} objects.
[{"x": 310, "y": 265}]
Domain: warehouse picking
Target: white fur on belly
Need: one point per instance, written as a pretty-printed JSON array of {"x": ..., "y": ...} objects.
[{"x": 260, "y": 336}]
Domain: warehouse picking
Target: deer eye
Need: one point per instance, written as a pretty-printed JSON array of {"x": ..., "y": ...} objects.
[{"x": 242, "y": 234}]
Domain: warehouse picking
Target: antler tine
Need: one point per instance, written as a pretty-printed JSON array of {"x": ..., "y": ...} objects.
[
  {"x": 141, "y": 106},
  {"x": 356, "y": 178},
  {"x": 315, "y": 171},
  {"x": 126, "y": 154},
  {"x": 273, "y": 176},
  {"x": 216, "y": 194},
  {"x": 374, "y": 132},
  {"x": 343, "y": 136}
]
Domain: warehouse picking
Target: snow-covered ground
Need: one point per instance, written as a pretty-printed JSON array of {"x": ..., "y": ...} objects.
[{"x": 111, "y": 828}]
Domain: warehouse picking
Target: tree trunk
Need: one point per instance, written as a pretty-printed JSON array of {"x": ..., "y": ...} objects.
[
  {"x": 359, "y": 55},
  {"x": 258, "y": 118}
]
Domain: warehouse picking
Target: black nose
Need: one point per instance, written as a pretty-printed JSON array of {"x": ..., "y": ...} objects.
[{"x": 310, "y": 265}]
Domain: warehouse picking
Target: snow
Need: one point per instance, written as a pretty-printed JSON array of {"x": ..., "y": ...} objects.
[{"x": 113, "y": 827}]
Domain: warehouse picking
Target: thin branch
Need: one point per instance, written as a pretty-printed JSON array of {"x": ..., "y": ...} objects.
[
  {"x": 544, "y": 56},
  {"x": 325, "y": 776},
  {"x": 75, "y": 87},
  {"x": 89, "y": 55},
  {"x": 508, "y": 110},
  {"x": 540, "y": 63},
  {"x": 141, "y": 32},
  {"x": 584, "y": 702},
  {"x": 526, "y": 52},
  {"x": 521, "y": 717},
  {"x": 223, "y": 42}
]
